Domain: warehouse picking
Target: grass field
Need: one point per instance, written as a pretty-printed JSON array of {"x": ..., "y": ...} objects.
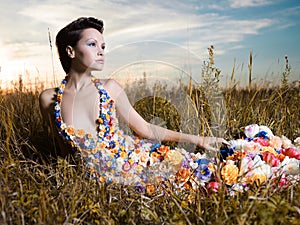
[{"x": 36, "y": 188}]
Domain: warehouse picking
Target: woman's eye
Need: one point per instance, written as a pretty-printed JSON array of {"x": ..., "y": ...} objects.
[
  {"x": 103, "y": 47},
  {"x": 92, "y": 44}
]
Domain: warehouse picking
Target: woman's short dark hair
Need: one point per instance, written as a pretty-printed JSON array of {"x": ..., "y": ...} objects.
[{"x": 71, "y": 34}]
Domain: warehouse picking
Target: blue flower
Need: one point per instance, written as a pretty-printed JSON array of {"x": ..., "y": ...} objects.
[
  {"x": 203, "y": 172},
  {"x": 263, "y": 134}
]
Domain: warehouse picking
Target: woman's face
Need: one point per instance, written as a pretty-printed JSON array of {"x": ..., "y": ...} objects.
[{"x": 88, "y": 54}]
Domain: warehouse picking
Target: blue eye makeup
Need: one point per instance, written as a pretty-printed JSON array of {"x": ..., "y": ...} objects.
[{"x": 91, "y": 44}]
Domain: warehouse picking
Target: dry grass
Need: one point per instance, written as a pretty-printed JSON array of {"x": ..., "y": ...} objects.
[{"x": 35, "y": 188}]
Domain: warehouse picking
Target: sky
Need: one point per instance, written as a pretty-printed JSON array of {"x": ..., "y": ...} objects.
[{"x": 167, "y": 39}]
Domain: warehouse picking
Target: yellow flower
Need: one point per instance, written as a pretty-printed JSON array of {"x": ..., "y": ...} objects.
[
  {"x": 174, "y": 157},
  {"x": 90, "y": 136},
  {"x": 109, "y": 163},
  {"x": 150, "y": 189},
  {"x": 155, "y": 154},
  {"x": 269, "y": 149},
  {"x": 70, "y": 130},
  {"x": 123, "y": 155},
  {"x": 131, "y": 161},
  {"x": 258, "y": 178},
  {"x": 80, "y": 133},
  {"x": 230, "y": 173}
]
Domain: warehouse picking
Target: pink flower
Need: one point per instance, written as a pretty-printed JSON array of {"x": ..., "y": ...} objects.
[
  {"x": 270, "y": 159},
  {"x": 212, "y": 186},
  {"x": 291, "y": 152},
  {"x": 262, "y": 141},
  {"x": 283, "y": 183}
]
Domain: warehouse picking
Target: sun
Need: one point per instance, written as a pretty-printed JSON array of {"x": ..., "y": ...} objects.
[{"x": 9, "y": 72}]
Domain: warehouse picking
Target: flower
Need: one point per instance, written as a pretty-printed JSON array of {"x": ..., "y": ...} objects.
[
  {"x": 286, "y": 143},
  {"x": 163, "y": 150},
  {"x": 291, "y": 152},
  {"x": 150, "y": 189},
  {"x": 275, "y": 142},
  {"x": 269, "y": 149},
  {"x": 266, "y": 131},
  {"x": 70, "y": 130},
  {"x": 270, "y": 159},
  {"x": 183, "y": 174},
  {"x": 203, "y": 172},
  {"x": 251, "y": 130},
  {"x": 174, "y": 157},
  {"x": 80, "y": 133},
  {"x": 290, "y": 166},
  {"x": 252, "y": 147},
  {"x": 230, "y": 173},
  {"x": 212, "y": 186},
  {"x": 261, "y": 141},
  {"x": 297, "y": 142},
  {"x": 126, "y": 166},
  {"x": 144, "y": 159}
]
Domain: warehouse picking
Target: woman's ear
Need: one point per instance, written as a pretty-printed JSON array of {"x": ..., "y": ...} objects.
[{"x": 70, "y": 51}]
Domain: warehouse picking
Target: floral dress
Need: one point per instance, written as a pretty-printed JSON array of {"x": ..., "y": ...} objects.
[{"x": 114, "y": 157}]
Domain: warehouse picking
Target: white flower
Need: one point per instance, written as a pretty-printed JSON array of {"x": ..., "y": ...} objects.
[
  {"x": 63, "y": 126},
  {"x": 286, "y": 143},
  {"x": 237, "y": 144},
  {"x": 267, "y": 130},
  {"x": 193, "y": 165},
  {"x": 57, "y": 107},
  {"x": 297, "y": 142},
  {"x": 120, "y": 163},
  {"x": 251, "y": 130},
  {"x": 290, "y": 166}
]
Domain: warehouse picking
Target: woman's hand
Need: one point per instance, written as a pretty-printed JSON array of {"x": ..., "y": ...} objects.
[{"x": 210, "y": 143}]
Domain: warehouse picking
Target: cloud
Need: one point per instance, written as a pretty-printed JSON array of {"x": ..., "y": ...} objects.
[{"x": 248, "y": 3}]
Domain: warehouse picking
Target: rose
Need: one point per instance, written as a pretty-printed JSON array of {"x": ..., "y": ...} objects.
[
  {"x": 230, "y": 173},
  {"x": 291, "y": 152},
  {"x": 270, "y": 159}
]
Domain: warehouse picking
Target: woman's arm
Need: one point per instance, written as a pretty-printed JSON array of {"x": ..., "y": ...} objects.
[{"x": 147, "y": 130}]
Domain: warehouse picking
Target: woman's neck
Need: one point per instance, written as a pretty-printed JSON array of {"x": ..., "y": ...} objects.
[{"x": 78, "y": 81}]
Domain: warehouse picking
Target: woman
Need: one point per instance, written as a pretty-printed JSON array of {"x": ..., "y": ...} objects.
[{"x": 85, "y": 115}]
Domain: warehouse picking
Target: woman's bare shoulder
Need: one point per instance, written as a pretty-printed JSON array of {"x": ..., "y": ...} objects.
[
  {"x": 47, "y": 97},
  {"x": 112, "y": 85}
]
